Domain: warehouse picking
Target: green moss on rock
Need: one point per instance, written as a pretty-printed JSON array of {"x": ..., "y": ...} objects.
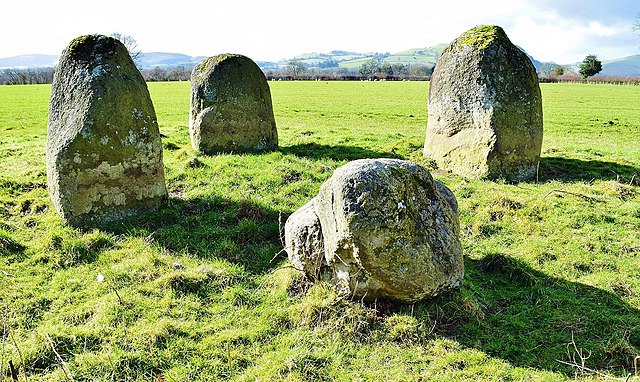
[
  {"x": 485, "y": 108},
  {"x": 95, "y": 48},
  {"x": 480, "y": 37},
  {"x": 104, "y": 155}
]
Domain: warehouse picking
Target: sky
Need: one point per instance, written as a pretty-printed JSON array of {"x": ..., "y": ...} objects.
[{"x": 562, "y": 31}]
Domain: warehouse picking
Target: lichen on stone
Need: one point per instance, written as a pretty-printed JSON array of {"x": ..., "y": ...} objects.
[
  {"x": 231, "y": 108},
  {"x": 485, "y": 108},
  {"x": 480, "y": 37},
  {"x": 104, "y": 155},
  {"x": 379, "y": 228}
]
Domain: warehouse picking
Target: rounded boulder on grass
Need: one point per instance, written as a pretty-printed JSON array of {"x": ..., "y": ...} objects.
[{"x": 379, "y": 228}]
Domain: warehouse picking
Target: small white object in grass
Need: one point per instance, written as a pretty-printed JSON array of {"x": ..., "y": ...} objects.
[{"x": 100, "y": 277}]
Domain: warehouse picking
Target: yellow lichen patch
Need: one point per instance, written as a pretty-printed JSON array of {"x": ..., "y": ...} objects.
[{"x": 480, "y": 37}]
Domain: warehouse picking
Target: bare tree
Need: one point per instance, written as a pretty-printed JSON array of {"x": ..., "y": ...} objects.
[
  {"x": 295, "y": 68},
  {"x": 370, "y": 67},
  {"x": 10, "y": 77},
  {"x": 27, "y": 76},
  {"x": 131, "y": 44}
]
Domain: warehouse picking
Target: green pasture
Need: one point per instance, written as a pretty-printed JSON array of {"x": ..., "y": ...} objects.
[{"x": 202, "y": 290}]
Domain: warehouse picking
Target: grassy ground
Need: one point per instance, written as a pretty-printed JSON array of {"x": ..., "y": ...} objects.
[{"x": 201, "y": 290}]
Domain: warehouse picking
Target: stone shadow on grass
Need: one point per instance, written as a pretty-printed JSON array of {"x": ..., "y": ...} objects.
[
  {"x": 340, "y": 152},
  {"x": 569, "y": 169},
  {"x": 527, "y": 318},
  {"x": 11, "y": 249},
  {"x": 240, "y": 232}
]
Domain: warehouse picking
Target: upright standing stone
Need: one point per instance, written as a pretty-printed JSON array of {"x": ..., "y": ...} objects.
[
  {"x": 104, "y": 155},
  {"x": 231, "y": 107},
  {"x": 485, "y": 108}
]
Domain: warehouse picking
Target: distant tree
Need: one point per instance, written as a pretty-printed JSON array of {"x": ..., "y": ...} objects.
[
  {"x": 156, "y": 74},
  {"x": 11, "y": 77},
  {"x": 381, "y": 56},
  {"x": 400, "y": 69},
  {"x": 558, "y": 70},
  {"x": 421, "y": 70},
  {"x": 27, "y": 76},
  {"x": 547, "y": 69},
  {"x": 295, "y": 68},
  {"x": 131, "y": 44},
  {"x": 386, "y": 69},
  {"x": 330, "y": 63},
  {"x": 369, "y": 68},
  {"x": 590, "y": 66}
]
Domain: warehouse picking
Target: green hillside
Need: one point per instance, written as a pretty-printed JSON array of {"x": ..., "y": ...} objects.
[
  {"x": 624, "y": 67},
  {"x": 417, "y": 56},
  {"x": 344, "y": 59}
]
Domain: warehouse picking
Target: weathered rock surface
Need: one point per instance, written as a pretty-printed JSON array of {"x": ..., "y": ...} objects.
[
  {"x": 387, "y": 231},
  {"x": 485, "y": 108},
  {"x": 231, "y": 108},
  {"x": 303, "y": 240},
  {"x": 104, "y": 154}
]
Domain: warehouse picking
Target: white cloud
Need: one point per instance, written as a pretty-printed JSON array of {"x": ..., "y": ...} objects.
[
  {"x": 272, "y": 30},
  {"x": 566, "y": 41}
]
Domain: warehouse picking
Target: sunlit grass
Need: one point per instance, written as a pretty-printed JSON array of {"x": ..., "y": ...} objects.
[{"x": 201, "y": 290}]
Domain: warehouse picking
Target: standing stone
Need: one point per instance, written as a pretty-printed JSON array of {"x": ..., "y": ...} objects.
[
  {"x": 104, "y": 155},
  {"x": 231, "y": 107},
  {"x": 485, "y": 108},
  {"x": 387, "y": 231}
]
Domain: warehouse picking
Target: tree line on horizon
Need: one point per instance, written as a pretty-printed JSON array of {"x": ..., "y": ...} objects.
[
  {"x": 373, "y": 69},
  {"x": 293, "y": 71}
]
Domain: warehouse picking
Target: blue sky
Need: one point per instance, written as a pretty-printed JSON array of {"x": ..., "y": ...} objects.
[{"x": 563, "y": 31}]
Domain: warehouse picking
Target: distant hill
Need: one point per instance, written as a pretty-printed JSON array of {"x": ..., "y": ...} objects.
[
  {"x": 29, "y": 61},
  {"x": 147, "y": 60},
  {"x": 346, "y": 59},
  {"x": 150, "y": 60},
  {"x": 621, "y": 67},
  {"x": 339, "y": 58},
  {"x": 417, "y": 56},
  {"x": 536, "y": 64}
]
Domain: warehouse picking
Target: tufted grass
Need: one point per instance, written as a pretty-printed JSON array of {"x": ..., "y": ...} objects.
[{"x": 201, "y": 290}]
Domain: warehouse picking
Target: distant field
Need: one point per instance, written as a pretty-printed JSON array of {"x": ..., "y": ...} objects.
[
  {"x": 201, "y": 290},
  {"x": 420, "y": 56}
]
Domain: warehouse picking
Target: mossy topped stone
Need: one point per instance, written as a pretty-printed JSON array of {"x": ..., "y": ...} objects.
[
  {"x": 485, "y": 108},
  {"x": 104, "y": 154},
  {"x": 231, "y": 108}
]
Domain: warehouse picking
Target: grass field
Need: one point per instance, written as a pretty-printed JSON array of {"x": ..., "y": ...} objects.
[{"x": 201, "y": 290}]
